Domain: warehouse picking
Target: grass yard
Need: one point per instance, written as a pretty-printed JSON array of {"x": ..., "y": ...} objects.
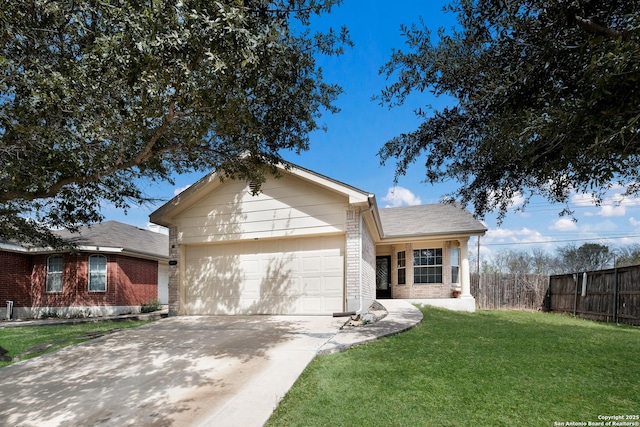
[
  {"x": 43, "y": 339},
  {"x": 489, "y": 368}
]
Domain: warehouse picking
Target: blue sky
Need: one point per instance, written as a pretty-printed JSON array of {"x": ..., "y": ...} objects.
[{"x": 348, "y": 150}]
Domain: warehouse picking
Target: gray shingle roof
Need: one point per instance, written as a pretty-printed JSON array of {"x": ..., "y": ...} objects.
[
  {"x": 434, "y": 219},
  {"x": 115, "y": 234}
]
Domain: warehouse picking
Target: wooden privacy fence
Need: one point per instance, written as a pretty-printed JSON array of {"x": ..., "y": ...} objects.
[
  {"x": 606, "y": 295},
  {"x": 509, "y": 291}
]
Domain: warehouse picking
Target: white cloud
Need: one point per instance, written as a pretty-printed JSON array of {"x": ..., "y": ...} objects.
[
  {"x": 517, "y": 200},
  {"x": 400, "y": 196},
  {"x": 180, "y": 189},
  {"x": 523, "y": 239},
  {"x": 582, "y": 199},
  {"x": 634, "y": 222},
  {"x": 599, "y": 227},
  {"x": 523, "y": 235},
  {"x": 564, "y": 224},
  {"x": 613, "y": 204},
  {"x": 612, "y": 210}
]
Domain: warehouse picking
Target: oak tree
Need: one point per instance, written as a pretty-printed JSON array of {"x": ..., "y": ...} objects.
[
  {"x": 546, "y": 100},
  {"x": 587, "y": 257},
  {"x": 98, "y": 94}
]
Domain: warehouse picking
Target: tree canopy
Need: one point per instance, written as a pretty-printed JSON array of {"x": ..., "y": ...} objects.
[
  {"x": 547, "y": 100},
  {"x": 568, "y": 259},
  {"x": 586, "y": 257},
  {"x": 96, "y": 94}
]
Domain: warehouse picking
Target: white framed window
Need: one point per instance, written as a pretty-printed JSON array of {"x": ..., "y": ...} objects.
[
  {"x": 97, "y": 273},
  {"x": 55, "y": 265},
  {"x": 455, "y": 265},
  {"x": 427, "y": 265},
  {"x": 402, "y": 270}
]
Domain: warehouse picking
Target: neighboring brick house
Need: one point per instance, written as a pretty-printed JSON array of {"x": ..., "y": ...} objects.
[
  {"x": 308, "y": 244},
  {"x": 115, "y": 268}
]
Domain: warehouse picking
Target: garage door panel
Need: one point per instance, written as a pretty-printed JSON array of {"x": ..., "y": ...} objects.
[
  {"x": 333, "y": 263},
  {"x": 312, "y": 285},
  {"x": 294, "y": 276},
  {"x": 311, "y": 264},
  {"x": 333, "y": 284}
]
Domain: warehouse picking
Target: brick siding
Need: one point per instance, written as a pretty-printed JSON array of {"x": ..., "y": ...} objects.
[
  {"x": 412, "y": 290},
  {"x": 15, "y": 278},
  {"x": 360, "y": 254},
  {"x": 130, "y": 281},
  {"x": 137, "y": 280},
  {"x": 352, "y": 256},
  {"x": 368, "y": 267}
]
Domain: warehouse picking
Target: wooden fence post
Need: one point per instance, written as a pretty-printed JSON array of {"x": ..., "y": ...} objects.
[
  {"x": 575, "y": 300},
  {"x": 615, "y": 295}
]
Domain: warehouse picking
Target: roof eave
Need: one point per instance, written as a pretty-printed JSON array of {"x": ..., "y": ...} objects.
[
  {"x": 431, "y": 236},
  {"x": 355, "y": 195},
  {"x": 145, "y": 255},
  {"x": 165, "y": 213}
]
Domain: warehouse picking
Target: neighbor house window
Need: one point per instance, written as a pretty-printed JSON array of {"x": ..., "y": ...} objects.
[
  {"x": 427, "y": 265},
  {"x": 54, "y": 273},
  {"x": 455, "y": 265},
  {"x": 402, "y": 271},
  {"x": 97, "y": 273}
]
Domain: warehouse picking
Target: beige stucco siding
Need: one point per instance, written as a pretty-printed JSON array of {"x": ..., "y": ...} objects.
[
  {"x": 286, "y": 207},
  {"x": 284, "y": 276}
]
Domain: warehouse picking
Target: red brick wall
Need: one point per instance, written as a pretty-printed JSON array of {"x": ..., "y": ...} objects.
[
  {"x": 15, "y": 271},
  {"x": 130, "y": 281},
  {"x": 137, "y": 281}
]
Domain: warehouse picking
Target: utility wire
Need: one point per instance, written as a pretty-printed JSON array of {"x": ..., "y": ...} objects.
[{"x": 562, "y": 240}]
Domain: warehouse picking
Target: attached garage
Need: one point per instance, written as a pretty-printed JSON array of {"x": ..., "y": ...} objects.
[
  {"x": 293, "y": 248},
  {"x": 271, "y": 276}
]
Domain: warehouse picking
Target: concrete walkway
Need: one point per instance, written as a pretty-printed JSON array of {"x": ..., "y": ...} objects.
[
  {"x": 401, "y": 316},
  {"x": 182, "y": 371}
]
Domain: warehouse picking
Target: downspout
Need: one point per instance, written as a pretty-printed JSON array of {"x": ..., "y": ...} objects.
[{"x": 9, "y": 309}]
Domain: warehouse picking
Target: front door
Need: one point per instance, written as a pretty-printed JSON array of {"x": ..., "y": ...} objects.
[{"x": 383, "y": 277}]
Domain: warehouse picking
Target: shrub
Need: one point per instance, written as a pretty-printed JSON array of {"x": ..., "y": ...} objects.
[
  {"x": 48, "y": 314},
  {"x": 150, "y": 306}
]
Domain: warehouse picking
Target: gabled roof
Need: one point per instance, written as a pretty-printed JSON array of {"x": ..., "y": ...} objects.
[
  {"x": 120, "y": 237},
  {"x": 428, "y": 220},
  {"x": 209, "y": 182},
  {"x": 108, "y": 236}
]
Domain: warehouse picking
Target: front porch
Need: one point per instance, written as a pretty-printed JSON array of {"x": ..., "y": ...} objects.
[{"x": 426, "y": 272}]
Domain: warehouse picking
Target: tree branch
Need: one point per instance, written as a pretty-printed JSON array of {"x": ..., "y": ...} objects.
[
  {"x": 592, "y": 27},
  {"x": 142, "y": 156}
]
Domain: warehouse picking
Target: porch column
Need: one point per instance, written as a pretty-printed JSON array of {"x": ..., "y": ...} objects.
[{"x": 465, "y": 278}]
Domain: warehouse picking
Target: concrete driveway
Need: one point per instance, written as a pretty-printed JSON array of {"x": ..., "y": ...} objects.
[{"x": 180, "y": 371}]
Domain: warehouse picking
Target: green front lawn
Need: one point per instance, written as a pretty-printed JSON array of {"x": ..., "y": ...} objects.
[
  {"x": 36, "y": 340},
  {"x": 489, "y": 368}
]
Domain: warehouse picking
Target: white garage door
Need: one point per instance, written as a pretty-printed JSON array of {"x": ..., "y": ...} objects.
[{"x": 292, "y": 276}]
